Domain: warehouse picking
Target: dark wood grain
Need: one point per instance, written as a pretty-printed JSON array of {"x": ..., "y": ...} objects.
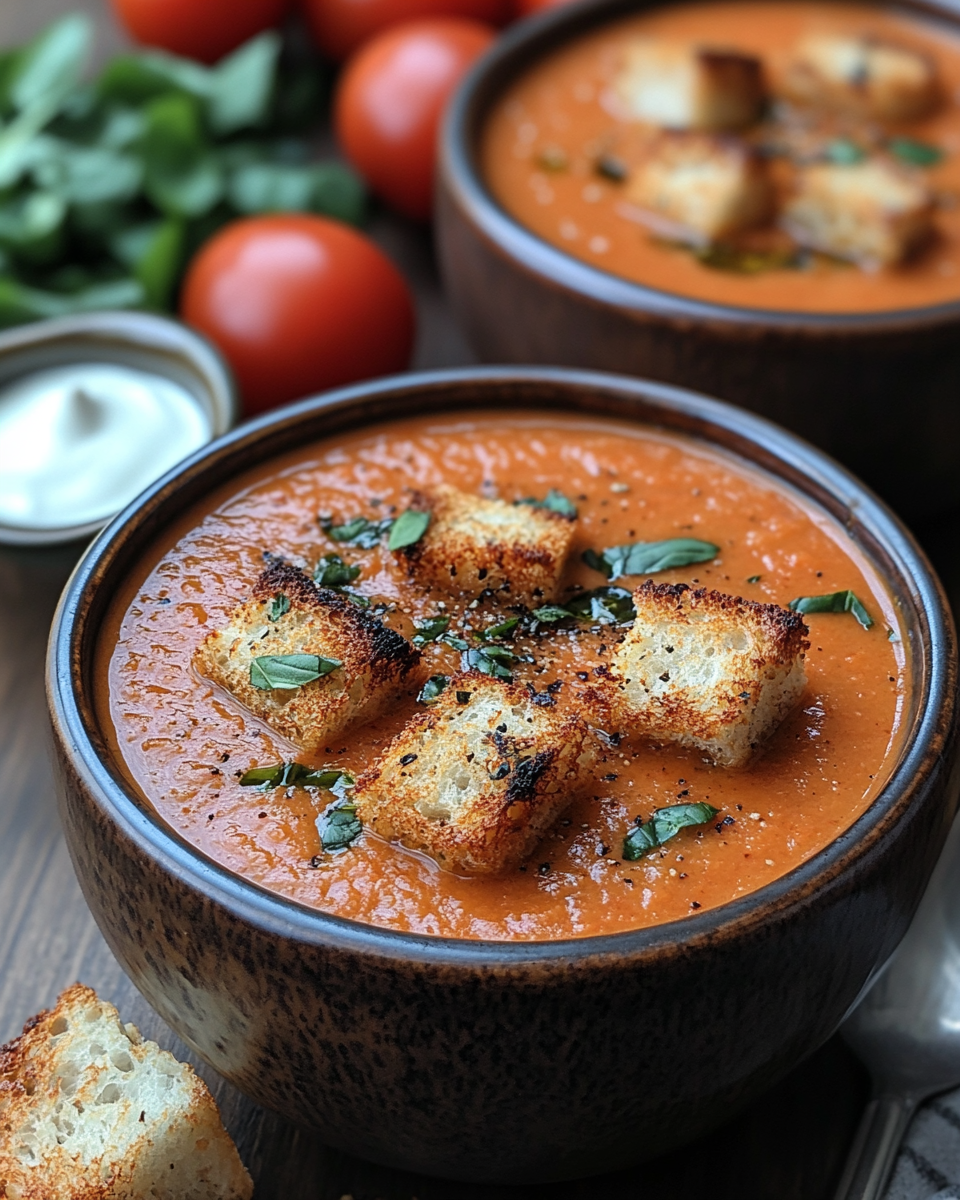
[{"x": 788, "y": 1147}]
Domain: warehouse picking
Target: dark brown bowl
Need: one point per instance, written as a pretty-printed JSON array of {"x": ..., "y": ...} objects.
[
  {"x": 487, "y": 1060},
  {"x": 879, "y": 391}
]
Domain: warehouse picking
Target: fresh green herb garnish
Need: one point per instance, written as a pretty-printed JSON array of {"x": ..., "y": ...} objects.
[
  {"x": 288, "y": 671},
  {"x": 357, "y": 532},
  {"x": 431, "y": 630},
  {"x": 663, "y": 825},
  {"x": 550, "y": 613},
  {"x": 491, "y": 660},
  {"x": 279, "y": 605},
  {"x": 844, "y": 152},
  {"x": 339, "y": 825},
  {"x": 611, "y": 168},
  {"x": 647, "y": 558},
  {"x": 433, "y": 689},
  {"x": 294, "y": 774},
  {"x": 917, "y": 154},
  {"x": 408, "y": 529},
  {"x": 754, "y": 579},
  {"x": 554, "y": 501},
  {"x": 608, "y": 605},
  {"x": 834, "y": 602},
  {"x": 332, "y": 571},
  {"x": 495, "y": 633}
]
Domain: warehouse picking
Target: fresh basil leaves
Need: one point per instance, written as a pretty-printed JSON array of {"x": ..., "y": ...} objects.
[
  {"x": 490, "y": 660},
  {"x": 288, "y": 671},
  {"x": 433, "y": 689},
  {"x": 663, "y": 825},
  {"x": 833, "y": 602},
  {"x": 917, "y": 154},
  {"x": 495, "y": 633},
  {"x": 606, "y": 605},
  {"x": 550, "y": 613},
  {"x": 294, "y": 774},
  {"x": 554, "y": 501},
  {"x": 431, "y": 630},
  {"x": 408, "y": 529},
  {"x": 279, "y": 605},
  {"x": 648, "y": 558},
  {"x": 339, "y": 825},
  {"x": 357, "y": 532},
  {"x": 331, "y": 571}
]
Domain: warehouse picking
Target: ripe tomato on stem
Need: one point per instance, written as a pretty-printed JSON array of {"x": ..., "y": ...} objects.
[
  {"x": 202, "y": 29},
  {"x": 298, "y": 304},
  {"x": 390, "y": 99},
  {"x": 342, "y": 26}
]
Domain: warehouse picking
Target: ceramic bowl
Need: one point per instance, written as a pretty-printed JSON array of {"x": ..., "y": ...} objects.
[
  {"x": 878, "y": 390},
  {"x": 130, "y": 339},
  {"x": 491, "y": 1061}
]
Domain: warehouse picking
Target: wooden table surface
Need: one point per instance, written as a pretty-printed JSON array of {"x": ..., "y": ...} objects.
[{"x": 789, "y": 1146}]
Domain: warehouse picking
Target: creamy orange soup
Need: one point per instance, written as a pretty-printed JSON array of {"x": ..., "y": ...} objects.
[
  {"x": 183, "y": 743},
  {"x": 544, "y": 138}
]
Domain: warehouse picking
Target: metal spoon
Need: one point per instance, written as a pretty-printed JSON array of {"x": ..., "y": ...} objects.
[{"x": 907, "y": 1030}]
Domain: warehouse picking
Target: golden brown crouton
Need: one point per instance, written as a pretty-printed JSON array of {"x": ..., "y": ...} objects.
[
  {"x": 477, "y": 780},
  {"x": 681, "y": 86},
  {"x": 871, "y": 213},
  {"x": 290, "y": 615},
  {"x": 708, "y": 670},
  {"x": 863, "y": 75},
  {"x": 700, "y": 188},
  {"x": 91, "y": 1111},
  {"x": 473, "y": 544}
]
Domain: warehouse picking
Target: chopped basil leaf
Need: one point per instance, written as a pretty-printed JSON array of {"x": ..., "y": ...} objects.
[
  {"x": 490, "y": 660},
  {"x": 289, "y": 671},
  {"x": 456, "y": 642},
  {"x": 551, "y": 612},
  {"x": 294, "y": 774},
  {"x": 754, "y": 579},
  {"x": 844, "y": 152},
  {"x": 554, "y": 501},
  {"x": 408, "y": 529},
  {"x": 357, "y": 532},
  {"x": 497, "y": 632},
  {"x": 647, "y": 558},
  {"x": 431, "y": 630},
  {"x": 464, "y": 697},
  {"x": 332, "y": 571},
  {"x": 279, "y": 605},
  {"x": 608, "y": 605},
  {"x": 433, "y": 689},
  {"x": 663, "y": 825},
  {"x": 918, "y": 154},
  {"x": 339, "y": 825},
  {"x": 834, "y": 602}
]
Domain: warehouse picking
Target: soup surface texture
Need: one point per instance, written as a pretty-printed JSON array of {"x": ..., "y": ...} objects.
[
  {"x": 183, "y": 743},
  {"x": 546, "y": 135}
]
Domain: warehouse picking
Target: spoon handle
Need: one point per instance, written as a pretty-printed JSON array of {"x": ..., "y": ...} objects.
[{"x": 874, "y": 1150}]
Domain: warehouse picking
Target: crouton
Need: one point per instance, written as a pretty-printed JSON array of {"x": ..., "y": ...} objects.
[
  {"x": 473, "y": 544},
  {"x": 91, "y": 1111},
  {"x": 288, "y": 614},
  {"x": 681, "y": 86},
  {"x": 862, "y": 75},
  {"x": 871, "y": 213},
  {"x": 700, "y": 188},
  {"x": 708, "y": 670},
  {"x": 479, "y": 778}
]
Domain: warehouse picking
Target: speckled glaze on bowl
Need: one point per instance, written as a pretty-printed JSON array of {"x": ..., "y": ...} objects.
[
  {"x": 509, "y": 1062},
  {"x": 880, "y": 391}
]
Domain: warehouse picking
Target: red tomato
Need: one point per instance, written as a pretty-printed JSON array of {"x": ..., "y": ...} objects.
[
  {"x": 298, "y": 304},
  {"x": 390, "y": 99},
  {"x": 203, "y": 29},
  {"x": 341, "y": 26},
  {"x": 526, "y": 8}
]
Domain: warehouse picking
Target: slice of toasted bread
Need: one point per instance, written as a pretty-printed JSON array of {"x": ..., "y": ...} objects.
[
  {"x": 678, "y": 85},
  {"x": 864, "y": 75},
  {"x": 700, "y": 187},
  {"x": 476, "y": 781},
  {"x": 474, "y": 544},
  {"x": 872, "y": 213},
  {"x": 91, "y": 1111},
  {"x": 708, "y": 670},
  {"x": 315, "y": 621}
]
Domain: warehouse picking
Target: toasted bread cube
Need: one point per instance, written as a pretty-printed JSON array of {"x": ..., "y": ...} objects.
[
  {"x": 376, "y": 660},
  {"x": 708, "y": 670},
  {"x": 871, "y": 213},
  {"x": 474, "y": 544},
  {"x": 701, "y": 188},
  {"x": 89, "y": 1109},
  {"x": 477, "y": 780},
  {"x": 863, "y": 75},
  {"x": 681, "y": 86}
]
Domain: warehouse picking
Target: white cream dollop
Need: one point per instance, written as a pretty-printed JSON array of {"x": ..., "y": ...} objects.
[{"x": 77, "y": 443}]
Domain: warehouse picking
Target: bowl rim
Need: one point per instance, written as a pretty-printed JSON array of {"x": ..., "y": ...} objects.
[
  {"x": 153, "y": 334},
  {"x": 123, "y": 542},
  {"x": 460, "y": 176}
]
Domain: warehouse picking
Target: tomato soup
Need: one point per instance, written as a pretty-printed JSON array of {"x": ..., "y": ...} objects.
[
  {"x": 546, "y": 139},
  {"x": 184, "y": 744}
]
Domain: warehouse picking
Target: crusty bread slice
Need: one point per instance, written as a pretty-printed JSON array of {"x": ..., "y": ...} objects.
[
  {"x": 376, "y": 660},
  {"x": 872, "y": 212},
  {"x": 473, "y": 544},
  {"x": 700, "y": 187},
  {"x": 678, "y": 85},
  {"x": 708, "y": 670},
  {"x": 91, "y": 1111},
  {"x": 864, "y": 75},
  {"x": 479, "y": 778}
]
